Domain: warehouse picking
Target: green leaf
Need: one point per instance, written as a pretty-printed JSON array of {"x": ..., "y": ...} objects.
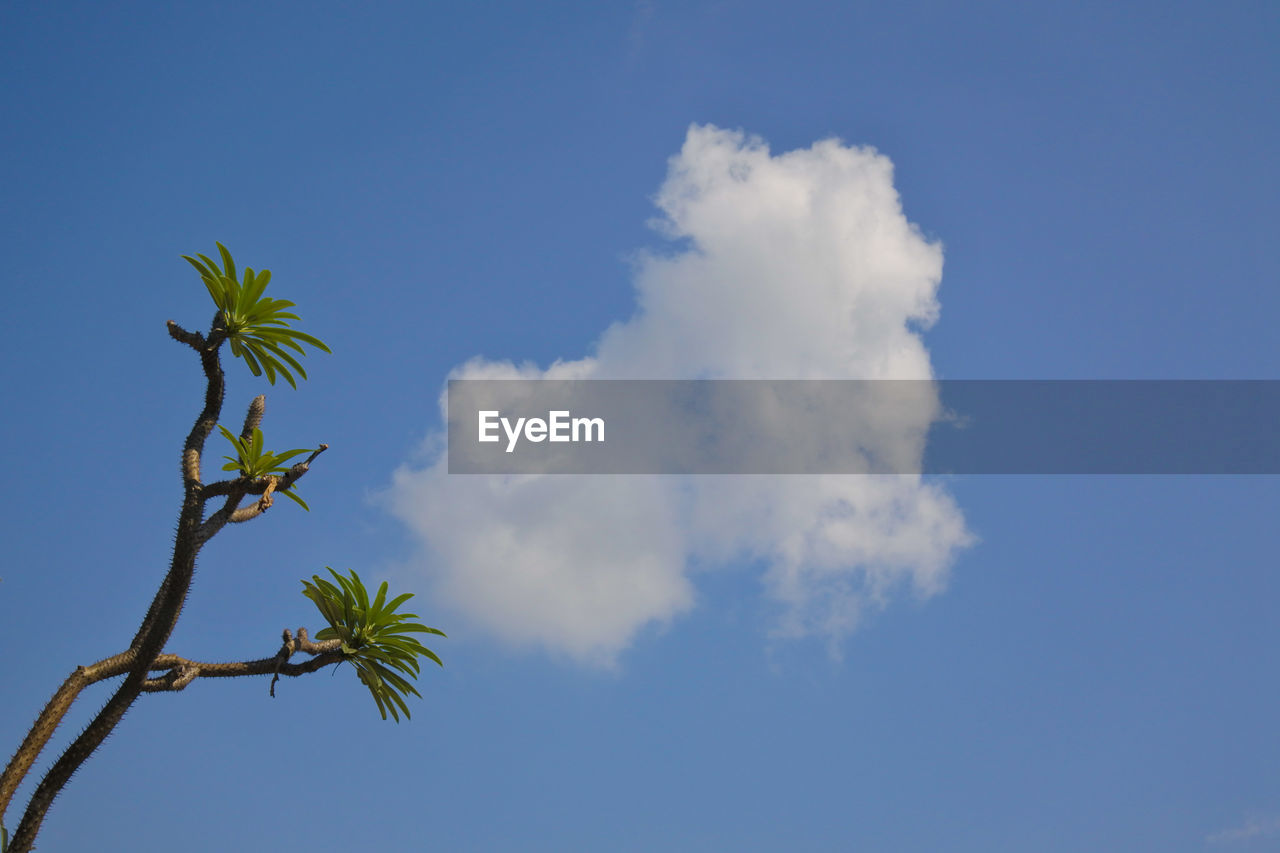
[
  {"x": 199, "y": 267},
  {"x": 289, "y": 359},
  {"x": 257, "y": 326},
  {"x": 267, "y": 362},
  {"x": 412, "y": 626},
  {"x": 377, "y": 697},
  {"x": 210, "y": 265},
  {"x": 376, "y": 609},
  {"x": 378, "y": 640},
  {"x": 281, "y": 458},
  {"x": 228, "y": 265},
  {"x": 309, "y": 339},
  {"x": 253, "y": 460},
  {"x": 362, "y": 595},
  {"x": 244, "y": 353},
  {"x": 397, "y": 601}
]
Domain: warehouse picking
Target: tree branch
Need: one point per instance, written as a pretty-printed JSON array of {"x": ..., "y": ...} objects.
[
  {"x": 144, "y": 654},
  {"x": 292, "y": 475},
  {"x": 50, "y": 718},
  {"x": 165, "y": 607},
  {"x": 182, "y": 672},
  {"x": 195, "y": 340},
  {"x": 236, "y": 490},
  {"x": 258, "y": 485},
  {"x": 215, "y": 522}
]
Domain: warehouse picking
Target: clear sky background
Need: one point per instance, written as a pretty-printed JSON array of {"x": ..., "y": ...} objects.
[{"x": 1075, "y": 663}]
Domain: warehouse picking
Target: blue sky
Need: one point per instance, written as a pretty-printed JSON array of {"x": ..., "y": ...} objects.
[{"x": 1092, "y": 671}]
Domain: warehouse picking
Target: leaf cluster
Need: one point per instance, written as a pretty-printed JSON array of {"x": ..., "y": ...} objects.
[
  {"x": 376, "y": 640},
  {"x": 252, "y": 461},
  {"x": 257, "y": 326}
]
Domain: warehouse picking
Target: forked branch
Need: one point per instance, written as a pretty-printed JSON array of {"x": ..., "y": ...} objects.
[{"x": 369, "y": 631}]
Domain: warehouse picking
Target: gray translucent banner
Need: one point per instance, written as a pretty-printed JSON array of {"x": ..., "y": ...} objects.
[{"x": 863, "y": 427}]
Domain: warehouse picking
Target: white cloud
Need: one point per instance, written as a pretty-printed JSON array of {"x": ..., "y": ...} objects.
[
  {"x": 1254, "y": 827},
  {"x": 796, "y": 266}
]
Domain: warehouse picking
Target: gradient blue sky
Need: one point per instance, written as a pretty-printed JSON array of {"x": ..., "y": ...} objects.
[{"x": 434, "y": 183}]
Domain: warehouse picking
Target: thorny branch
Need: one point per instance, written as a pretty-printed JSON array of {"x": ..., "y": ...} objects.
[
  {"x": 144, "y": 653},
  {"x": 182, "y": 672}
]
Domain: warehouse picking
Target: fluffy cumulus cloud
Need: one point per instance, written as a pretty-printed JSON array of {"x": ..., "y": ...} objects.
[{"x": 792, "y": 266}]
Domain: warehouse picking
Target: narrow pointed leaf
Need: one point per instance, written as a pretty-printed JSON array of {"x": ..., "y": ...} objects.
[{"x": 228, "y": 265}]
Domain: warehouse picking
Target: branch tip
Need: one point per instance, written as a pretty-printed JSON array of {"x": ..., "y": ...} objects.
[
  {"x": 192, "y": 339},
  {"x": 253, "y": 418}
]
